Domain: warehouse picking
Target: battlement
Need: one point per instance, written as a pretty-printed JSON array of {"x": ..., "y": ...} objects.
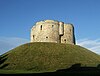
[
  {"x": 51, "y": 21},
  {"x": 47, "y": 21},
  {"x": 53, "y": 31}
]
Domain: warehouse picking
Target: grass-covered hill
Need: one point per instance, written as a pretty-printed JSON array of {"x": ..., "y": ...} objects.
[{"x": 43, "y": 57}]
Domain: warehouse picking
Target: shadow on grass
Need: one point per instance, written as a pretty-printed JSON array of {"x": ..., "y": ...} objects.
[
  {"x": 2, "y": 60},
  {"x": 74, "y": 70}
]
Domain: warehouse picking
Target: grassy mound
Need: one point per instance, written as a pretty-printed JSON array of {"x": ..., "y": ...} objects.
[{"x": 43, "y": 57}]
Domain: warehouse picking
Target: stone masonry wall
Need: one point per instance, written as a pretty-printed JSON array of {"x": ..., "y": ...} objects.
[{"x": 52, "y": 31}]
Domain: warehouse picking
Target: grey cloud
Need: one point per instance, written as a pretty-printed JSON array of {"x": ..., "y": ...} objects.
[
  {"x": 8, "y": 43},
  {"x": 93, "y": 45}
]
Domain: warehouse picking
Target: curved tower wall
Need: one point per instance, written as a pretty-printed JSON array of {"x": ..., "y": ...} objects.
[
  {"x": 53, "y": 31},
  {"x": 32, "y": 33},
  {"x": 46, "y": 31}
]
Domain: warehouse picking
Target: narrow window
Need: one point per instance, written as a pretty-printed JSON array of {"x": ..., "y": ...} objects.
[
  {"x": 46, "y": 37},
  {"x": 65, "y": 40},
  {"x": 33, "y": 36},
  {"x": 52, "y": 26},
  {"x": 70, "y": 30},
  {"x": 41, "y": 27}
]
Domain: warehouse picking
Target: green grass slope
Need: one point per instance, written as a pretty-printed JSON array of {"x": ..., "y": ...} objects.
[{"x": 43, "y": 57}]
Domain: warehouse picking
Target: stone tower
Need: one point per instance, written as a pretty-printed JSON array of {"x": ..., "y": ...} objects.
[{"x": 53, "y": 31}]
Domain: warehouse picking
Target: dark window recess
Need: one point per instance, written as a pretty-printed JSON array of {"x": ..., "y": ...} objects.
[
  {"x": 46, "y": 37},
  {"x": 41, "y": 27},
  {"x": 33, "y": 36},
  {"x": 52, "y": 26},
  {"x": 70, "y": 30},
  {"x": 64, "y": 39}
]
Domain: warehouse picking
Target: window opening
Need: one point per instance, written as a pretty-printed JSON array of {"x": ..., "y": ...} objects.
[
  {"x": 46, "y": 37},
  {"x": 33, "y": 36},
  {"x": 52, "y": 26},
  {"x": 41, "y": 27},
  {"x": 65, "y": 40},
  {"x": 70, "y": 30}
]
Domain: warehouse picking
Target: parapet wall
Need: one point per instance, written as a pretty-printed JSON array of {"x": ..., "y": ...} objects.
[{"x": 52, "y": 31}]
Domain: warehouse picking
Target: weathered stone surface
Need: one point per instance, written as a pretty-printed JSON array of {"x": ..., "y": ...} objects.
[{"x": 53, "y": 31}]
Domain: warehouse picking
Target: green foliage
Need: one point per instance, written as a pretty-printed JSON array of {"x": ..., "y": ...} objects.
[{"x": 43, "y": 57}]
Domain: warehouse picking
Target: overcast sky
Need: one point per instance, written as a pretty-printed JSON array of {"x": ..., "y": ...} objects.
[{"x": 18, "y": 16}]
